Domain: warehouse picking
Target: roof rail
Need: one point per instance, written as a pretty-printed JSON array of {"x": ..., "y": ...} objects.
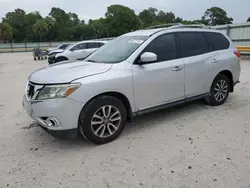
[
  {"x": 178, "y": 25},
  {"x": 163, "y": 26},
  {"x": 190, "y": 26}
]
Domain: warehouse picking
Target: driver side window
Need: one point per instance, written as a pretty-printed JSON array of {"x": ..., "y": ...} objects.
[{"x": 164, "y": 47}]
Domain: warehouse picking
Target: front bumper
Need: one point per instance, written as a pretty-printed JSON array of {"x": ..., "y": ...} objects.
[
  {"x": 66, "y": 111},
  {"x": 52, "y": 59}
]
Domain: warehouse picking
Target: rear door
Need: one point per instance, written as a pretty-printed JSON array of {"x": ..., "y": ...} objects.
[
  {"x": 196, "y": 55},
  {"x": 223, "y": 54}
]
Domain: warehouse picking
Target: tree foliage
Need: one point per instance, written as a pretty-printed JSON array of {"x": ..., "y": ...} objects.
[
  {"x": 19, "y": 26},
  {"x": 120, "y": 19},
  {"x": 216, "y": 16},
  {"x": 248, "y": 20},
  {"x": 6, "y": 31}
]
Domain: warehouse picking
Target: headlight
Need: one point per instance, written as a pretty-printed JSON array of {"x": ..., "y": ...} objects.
[{"x": 57, "y": 91}]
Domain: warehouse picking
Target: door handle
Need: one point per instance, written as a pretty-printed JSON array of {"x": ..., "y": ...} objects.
[
  {"x": 215, "y": 61},
  {"x": 177, "y": 68}
]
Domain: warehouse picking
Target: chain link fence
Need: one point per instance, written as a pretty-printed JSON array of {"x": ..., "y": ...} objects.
[{"x": 28, "y": 47}]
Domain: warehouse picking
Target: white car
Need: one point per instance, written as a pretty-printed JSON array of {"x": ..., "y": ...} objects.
[
  {"x": 134, "y": 74},
  {"x": 79, "y": 50},
  {"x": 58, "y": 49}
]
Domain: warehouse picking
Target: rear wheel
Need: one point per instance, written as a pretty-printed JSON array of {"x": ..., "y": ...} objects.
[
  {"x": 102, "y": 119},
  {"x": 219, "y": 91}
]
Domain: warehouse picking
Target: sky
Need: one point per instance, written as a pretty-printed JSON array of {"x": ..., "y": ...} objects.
[{"x": 92, "y": 9}]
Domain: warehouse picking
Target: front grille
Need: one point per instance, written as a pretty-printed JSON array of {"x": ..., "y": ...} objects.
[
  {"x": 30, "y": 90},
  {"x": 33, "y": 90}
]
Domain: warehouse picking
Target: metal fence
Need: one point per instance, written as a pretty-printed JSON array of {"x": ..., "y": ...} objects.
[
  {"x": 28, "y": 47},
  {"x": 239, "y": 33}
]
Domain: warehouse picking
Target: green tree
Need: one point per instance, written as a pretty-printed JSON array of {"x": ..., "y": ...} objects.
[
  {"x": 6, "y": 31},
  {"x": 40, "y": 29},
  {"x": 29, "y": 20},
  {"x": 248, "y": 19},
  {"x": 167, "y": 17},
  {"x": 178, "y": 20},
  {"x": 216, "y": 16},
  {"x": 16, "y": 20},
  {"x": 51, "y": 28},
  {"x": 121, "y": 19},
  {"x": 148, "y": 16}
]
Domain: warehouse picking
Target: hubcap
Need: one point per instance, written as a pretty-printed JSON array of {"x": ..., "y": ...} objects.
[
  {"x": 221, "y": 90},
  {"x": 106, "y": 121}
]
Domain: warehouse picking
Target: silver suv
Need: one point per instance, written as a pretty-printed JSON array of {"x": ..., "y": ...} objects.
[{"x": 136, "y": 73}]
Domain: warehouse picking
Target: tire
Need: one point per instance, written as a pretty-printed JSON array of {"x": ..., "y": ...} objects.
[
  {"x": 219, "y": 92},
  {"x": 100, "y": 128},
  {"x": 59, "y": 59}
]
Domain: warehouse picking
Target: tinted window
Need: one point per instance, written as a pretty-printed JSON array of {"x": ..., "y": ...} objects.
[
  {"x": 93, "y": 45},
  {"x": 101, "y": 44},
  {"x": 193, "y": 43},
  {"x": 80, "y": 46},
  {"x": 218, "y": 41},
  {"x": 164, "y": 47}
]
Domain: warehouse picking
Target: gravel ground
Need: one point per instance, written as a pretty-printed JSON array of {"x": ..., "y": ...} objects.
[{"x": 189, "y": 146}]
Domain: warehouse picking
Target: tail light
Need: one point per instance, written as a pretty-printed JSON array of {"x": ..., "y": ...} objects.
[{"x": 237, "y": 53}]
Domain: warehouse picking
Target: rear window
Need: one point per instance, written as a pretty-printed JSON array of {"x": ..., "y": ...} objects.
[
  {"x": 193, "y": 43},
  {"x": 218, "y": 41}
]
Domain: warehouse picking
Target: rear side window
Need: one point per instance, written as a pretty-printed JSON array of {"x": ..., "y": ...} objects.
[
  {"x": 193, "y": 43},
  {"x": 164, "y": 47},
  {"x": 93, "y": 45},
  {"x": 218, "y": 41}
]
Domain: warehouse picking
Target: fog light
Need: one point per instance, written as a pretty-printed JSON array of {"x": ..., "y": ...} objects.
[{"x": 52, "y": 122}]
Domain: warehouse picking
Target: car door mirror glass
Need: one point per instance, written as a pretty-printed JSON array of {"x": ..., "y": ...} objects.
[{"x": 148, "y": 57}]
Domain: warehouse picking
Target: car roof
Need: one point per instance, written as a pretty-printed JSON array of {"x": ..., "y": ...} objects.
[
  {"x": 92, "y": 41},
  {"x": 150, "y": 32}
]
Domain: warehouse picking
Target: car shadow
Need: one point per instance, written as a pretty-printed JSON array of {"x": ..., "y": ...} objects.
[
  {"x": 139, "y": 124},
  {"x": 165, "y": 116}
]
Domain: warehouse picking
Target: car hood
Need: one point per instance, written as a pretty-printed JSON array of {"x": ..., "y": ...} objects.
[
  {"x": 67, "y": 71},
  {"x": 55, "y": 51}
]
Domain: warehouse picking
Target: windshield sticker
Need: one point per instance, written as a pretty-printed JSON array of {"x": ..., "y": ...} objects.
[{"x": 135, "y": 41}]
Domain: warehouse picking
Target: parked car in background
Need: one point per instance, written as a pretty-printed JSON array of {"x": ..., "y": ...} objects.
[
  {"x": 59, "y": 47},
  {"x": 52, "y": 54},
  {"x": 79, "y": 50},
  {"x": 134, "y": 74}
]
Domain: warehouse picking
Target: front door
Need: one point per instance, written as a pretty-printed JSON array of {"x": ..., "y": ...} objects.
[{"x": 162, "y": 81}]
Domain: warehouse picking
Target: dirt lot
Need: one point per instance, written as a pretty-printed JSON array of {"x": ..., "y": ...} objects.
[{"x": 190, "y": 146}]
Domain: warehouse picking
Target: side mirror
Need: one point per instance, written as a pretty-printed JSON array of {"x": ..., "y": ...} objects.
[{"x": 148, "y": 57}]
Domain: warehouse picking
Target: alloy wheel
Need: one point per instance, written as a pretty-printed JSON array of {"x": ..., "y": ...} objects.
[
  {"x": 221, "y": 90},
  {"x": 106, "y": 121}
]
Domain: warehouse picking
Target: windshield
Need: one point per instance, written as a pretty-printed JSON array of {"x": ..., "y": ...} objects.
[{"x": 117, "y": 50}]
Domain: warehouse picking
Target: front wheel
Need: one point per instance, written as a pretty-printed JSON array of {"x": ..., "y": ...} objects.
[
  {"x": 102, "y": 119},
  {"x": 219, "y": 91},
  {"x": 59, "y": 59}
]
